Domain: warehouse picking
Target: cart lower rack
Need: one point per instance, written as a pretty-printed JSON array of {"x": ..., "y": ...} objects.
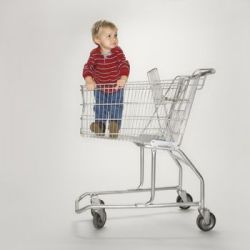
[{"x": 153, "y": 115}]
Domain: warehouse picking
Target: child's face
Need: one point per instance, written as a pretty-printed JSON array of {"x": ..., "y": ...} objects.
[{"x": 107, "y": 39}]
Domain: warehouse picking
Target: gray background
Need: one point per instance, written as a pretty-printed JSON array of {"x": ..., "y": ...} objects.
[{"x": 45, "y": 164}]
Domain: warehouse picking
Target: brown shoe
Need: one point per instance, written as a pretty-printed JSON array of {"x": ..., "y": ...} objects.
[
  {"x": 113, "y": 129},
  {"x": 98, "y": 128}
]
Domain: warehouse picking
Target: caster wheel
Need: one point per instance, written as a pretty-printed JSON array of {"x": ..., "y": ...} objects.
[
  {"x": 189, "y": 199},
  {"x": 99, "y": 219},
  {"x": 203, "y": 225},
  {"x": 93, "y": 210}
]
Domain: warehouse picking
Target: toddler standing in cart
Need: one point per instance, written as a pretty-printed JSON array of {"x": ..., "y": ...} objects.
[{"x": 106, "y": 72}]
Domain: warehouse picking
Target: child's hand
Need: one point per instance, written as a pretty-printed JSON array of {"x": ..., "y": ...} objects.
[
  {"x": 90, "y": 83},
  {"x": 121, "y": 82},
  {"x": 90, "y": 86}
]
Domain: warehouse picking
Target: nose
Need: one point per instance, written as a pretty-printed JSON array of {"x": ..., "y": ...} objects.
[{"x": 114, "y": 40}]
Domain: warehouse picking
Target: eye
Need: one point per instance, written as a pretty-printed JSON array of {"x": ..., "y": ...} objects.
[{"x": 116, "y": 35}]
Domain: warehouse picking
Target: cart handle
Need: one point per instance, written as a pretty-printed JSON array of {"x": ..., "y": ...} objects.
[{"x": 203, "y": 72}]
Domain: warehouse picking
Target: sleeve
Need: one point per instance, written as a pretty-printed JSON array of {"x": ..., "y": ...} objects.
[
  {"x": 89, "y": 66},
  {"x": 123, "y": 63}
]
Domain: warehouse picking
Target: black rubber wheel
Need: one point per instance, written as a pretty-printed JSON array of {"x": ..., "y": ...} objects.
[
  {"x": 98, "y": 220},
  {"x": 202, "y": 224},
  {"x": 189, "y": 199},
  {"x": 93, "y": 210}
]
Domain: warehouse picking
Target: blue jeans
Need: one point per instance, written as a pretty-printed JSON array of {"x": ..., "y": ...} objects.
[{"x": 108, "y": 106}]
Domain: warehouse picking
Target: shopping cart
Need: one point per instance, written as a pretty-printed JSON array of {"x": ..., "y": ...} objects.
[{"x": 154, "y": 116}]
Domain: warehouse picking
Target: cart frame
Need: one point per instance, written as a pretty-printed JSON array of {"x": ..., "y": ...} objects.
[{"x": 206, "y": 219}]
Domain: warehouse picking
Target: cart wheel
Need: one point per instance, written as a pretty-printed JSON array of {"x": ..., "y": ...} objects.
[
  {"x": 93, "y": 210},
  {"x": 189, "y": 199},
  {"x": 203, "y": 225},
  {"x": 99, "y": 219}
]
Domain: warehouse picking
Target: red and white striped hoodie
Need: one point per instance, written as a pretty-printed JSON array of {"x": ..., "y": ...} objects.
[{"x": 106, "y": 69}]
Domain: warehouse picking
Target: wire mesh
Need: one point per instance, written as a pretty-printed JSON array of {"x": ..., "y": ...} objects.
[{"x": 142, "y": 111}]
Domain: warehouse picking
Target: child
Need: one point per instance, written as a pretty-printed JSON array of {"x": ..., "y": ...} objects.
[{"x": 106, "y": 72}]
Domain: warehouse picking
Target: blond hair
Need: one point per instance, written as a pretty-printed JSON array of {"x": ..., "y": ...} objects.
[{"x": 99, "y": 25}]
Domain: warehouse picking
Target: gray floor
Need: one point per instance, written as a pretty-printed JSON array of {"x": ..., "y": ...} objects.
[
  {"x": 158, "y": 229},
  {"x": 38, "y": 213}
]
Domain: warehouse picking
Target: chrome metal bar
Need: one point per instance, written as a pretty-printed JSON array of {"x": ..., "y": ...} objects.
[
  {"x": 202, "y": 183},
  {"x": 141, "y": 167},
  {"x": 179, "y": 166},
  {"x": 153, "y": 174},
  {"x": 141, "y": 205},
  {"x": 146, "y": 205},
  {"x": 203, "y": 72},
  {"x": 179, "y": 159},
  {"x": 83, "y": 105}
]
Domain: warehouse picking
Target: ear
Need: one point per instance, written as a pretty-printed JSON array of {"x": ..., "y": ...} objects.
[{"x": 97, "y": 40}]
